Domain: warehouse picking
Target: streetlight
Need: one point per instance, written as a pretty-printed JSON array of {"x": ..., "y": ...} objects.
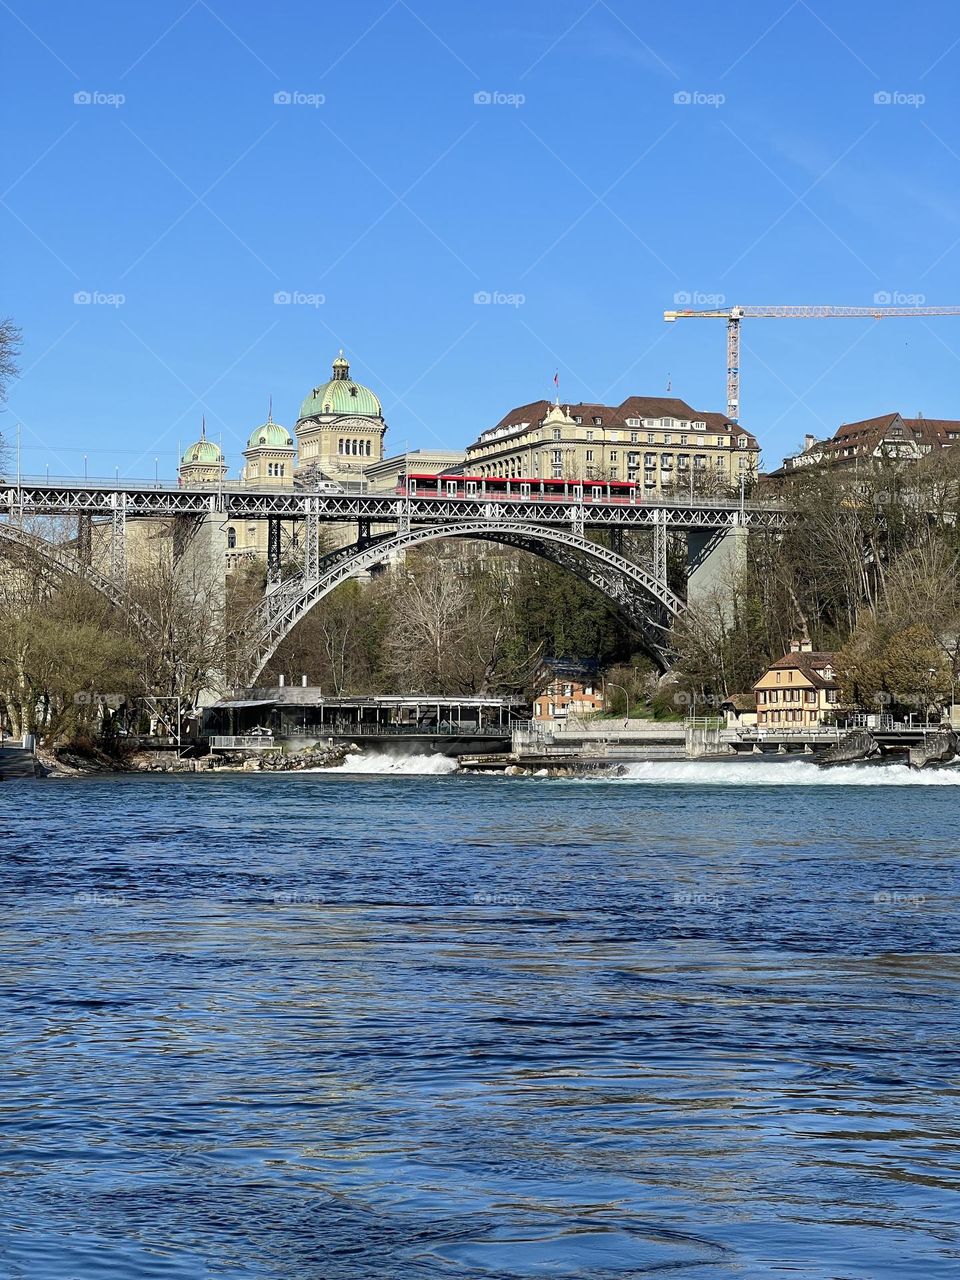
[
  {"x": 626, "y": 697},
  {"x": 84, "y": 468}
]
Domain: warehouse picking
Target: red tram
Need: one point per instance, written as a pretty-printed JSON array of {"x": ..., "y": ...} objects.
[{"x": 516, "y": 488}]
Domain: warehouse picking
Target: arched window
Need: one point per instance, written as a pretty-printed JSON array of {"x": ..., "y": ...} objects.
[
  {"x": 231, "y": 538},
  {"x": 368, "y": 448},
  {"x": 339, "y": 446}
]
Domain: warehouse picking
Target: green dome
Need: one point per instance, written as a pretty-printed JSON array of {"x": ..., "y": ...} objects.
[
  {"x": 340, "y": 396},
  {"x": 204, "y": 452},
  {"x": 271, "y": 436}
]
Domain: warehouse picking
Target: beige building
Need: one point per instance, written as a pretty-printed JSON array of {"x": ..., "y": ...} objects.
[
  {"x": 662, "y": 444},
  {"x": 385, "y": 476},
  {"x": 798, "y": 691},
  {"x": 337, "y": 439}
]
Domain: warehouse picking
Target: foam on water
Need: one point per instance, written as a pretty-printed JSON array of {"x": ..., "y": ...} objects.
[
  {"x": 392, "y": 762},
  {"x": 784, "y": 773}
]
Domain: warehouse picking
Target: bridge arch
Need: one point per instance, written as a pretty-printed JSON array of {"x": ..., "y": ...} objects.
[
  {"x": 641, "y": 599},
  {"x": 64, "y": 564}
]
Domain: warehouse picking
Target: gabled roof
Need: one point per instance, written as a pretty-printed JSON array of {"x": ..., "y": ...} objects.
[
  {"x": 811, "y": 665},
  {"x": 616, "y": 415}
]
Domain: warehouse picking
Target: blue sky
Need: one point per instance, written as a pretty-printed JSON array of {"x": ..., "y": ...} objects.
[{"x": 583, "y": 196}]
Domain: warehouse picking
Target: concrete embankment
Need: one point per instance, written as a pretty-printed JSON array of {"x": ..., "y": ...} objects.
[
  {"x": 939, "y": 748},
  {"x": 858, "y": 744},
  {"x": 16, "y": 764}
]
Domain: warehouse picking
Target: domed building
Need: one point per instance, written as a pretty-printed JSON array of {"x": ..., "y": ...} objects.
[
  {"x": 340, "y": 429},
  {"x": 270, "y": 456},
  {"x": 202, "y": 462}
]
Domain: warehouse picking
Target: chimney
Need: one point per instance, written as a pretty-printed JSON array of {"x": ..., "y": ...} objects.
[
  {"x": 806, "y": 646},
  {"x": 279, "y": 682},
  {"x": 794, "y": 646},
  {"x": 808, "y": 443}
]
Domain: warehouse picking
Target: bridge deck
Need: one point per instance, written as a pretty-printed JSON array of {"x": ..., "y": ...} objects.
[{"x": 232, "y": 503}]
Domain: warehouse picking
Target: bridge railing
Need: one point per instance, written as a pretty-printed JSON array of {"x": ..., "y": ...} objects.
[{"x": 241, "y": 742}]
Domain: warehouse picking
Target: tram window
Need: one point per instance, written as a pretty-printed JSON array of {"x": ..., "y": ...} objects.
[
  {"x": 597, "y": 493},
  {"x": 471, "y": 488},
  {"x": 451, "y": 488},
  {"x": 413, "y": 486}
]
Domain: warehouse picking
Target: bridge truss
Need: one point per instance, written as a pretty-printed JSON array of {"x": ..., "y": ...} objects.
[{"x": 387, "y": 524}]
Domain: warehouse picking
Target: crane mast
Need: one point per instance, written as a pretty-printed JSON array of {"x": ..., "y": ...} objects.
[{"x": 733, "y": 316}]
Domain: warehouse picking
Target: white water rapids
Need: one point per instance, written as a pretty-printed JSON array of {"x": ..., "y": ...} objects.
[{"x": 695, "y": 773}]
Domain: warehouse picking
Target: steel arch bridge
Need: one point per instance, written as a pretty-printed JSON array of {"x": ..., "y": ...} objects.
[
  {"x": 386, "y": 523},
  {"x": 62, "y": 563},
  {"x": 641, "y": 598}
]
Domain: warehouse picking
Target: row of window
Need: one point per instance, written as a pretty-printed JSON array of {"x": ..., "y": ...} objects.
[
  {"x": 781, "y": 717},
  {"x": 354, "y": 448},
  {"x": 667, "y": 438},
  {"x": 789, "y": 695}
]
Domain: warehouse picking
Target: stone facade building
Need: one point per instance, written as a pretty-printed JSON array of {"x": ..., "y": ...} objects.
[
  {"x": 661, "y": 443},
  {"x": 336, "y": 445}
]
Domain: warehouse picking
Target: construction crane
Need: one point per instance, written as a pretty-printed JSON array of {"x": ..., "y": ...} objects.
[{"x": 733, "y": 316}]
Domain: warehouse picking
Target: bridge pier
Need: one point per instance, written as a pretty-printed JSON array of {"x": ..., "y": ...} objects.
[
  {"x": 273, "y": 547},
  {"x": 85, "y": 539},
  {"x": 716, "y": 561}
]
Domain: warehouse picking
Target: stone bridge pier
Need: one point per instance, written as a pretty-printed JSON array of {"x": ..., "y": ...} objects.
[{"x": 716, "y": 561}]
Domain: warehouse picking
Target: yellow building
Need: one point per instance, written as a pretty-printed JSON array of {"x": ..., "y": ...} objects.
[
  {"x": 798, "y": 691},
  {"x": 661, "y": 443}
]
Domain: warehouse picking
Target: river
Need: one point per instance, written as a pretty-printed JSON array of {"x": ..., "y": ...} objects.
[{"x": 698, "y": 1022}]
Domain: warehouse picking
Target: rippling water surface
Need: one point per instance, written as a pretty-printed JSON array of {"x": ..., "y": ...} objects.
[{"x": 395, "y": 1026}]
